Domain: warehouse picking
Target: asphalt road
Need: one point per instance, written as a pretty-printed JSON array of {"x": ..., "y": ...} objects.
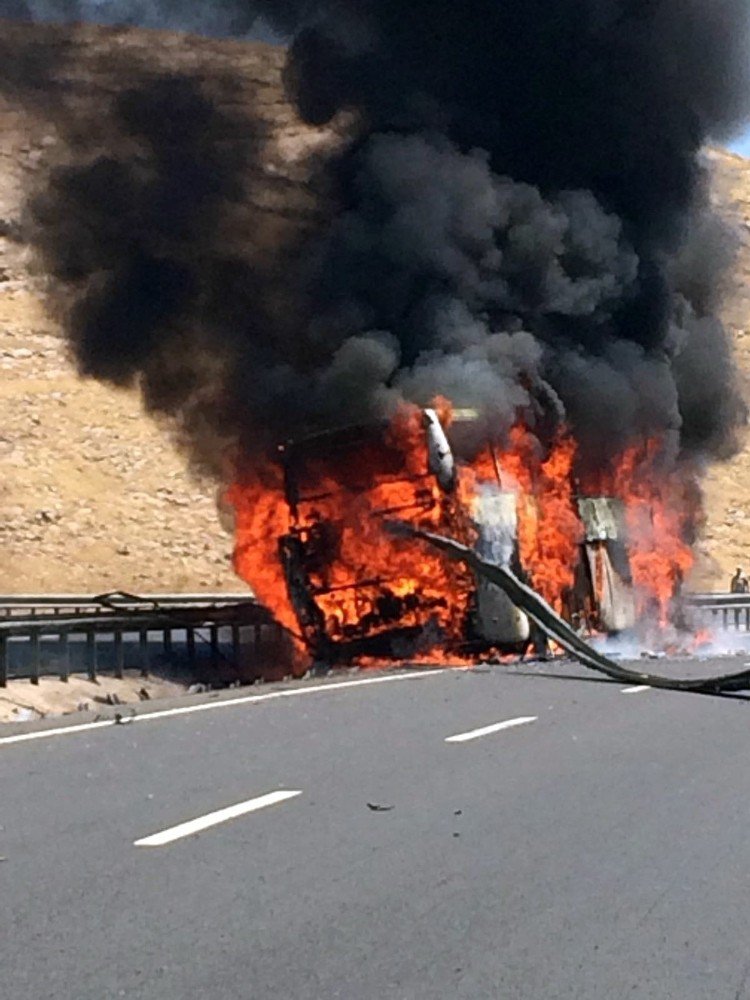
[{"x": 599, "y": 851}]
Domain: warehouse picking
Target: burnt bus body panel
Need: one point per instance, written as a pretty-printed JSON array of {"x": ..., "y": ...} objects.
[
  {"x": 602, "y": 591},
  {"x": 312, "y": 541}
]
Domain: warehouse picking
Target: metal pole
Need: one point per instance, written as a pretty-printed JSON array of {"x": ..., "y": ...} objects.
[
  {"x": 3, "y": 660},
  {"x": 143, "y": 651},
  {"x": 91, "y": 654},
  {"x": 65, "y": 658},
  {"x": 119, "y": 655},
  {"x": 35, "y": 656},
  {"x": 236, "y": 645},
  {"x": 215, "y": 656}
]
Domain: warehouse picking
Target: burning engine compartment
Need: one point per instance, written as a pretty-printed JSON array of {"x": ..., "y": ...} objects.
[{"x": 313, "y": 539}]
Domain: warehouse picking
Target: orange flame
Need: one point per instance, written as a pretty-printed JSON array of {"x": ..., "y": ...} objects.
[
  {"x": 261, "y": 518},
  {"x": 659, "y": 507},
  {"x": 344, "y": 522},
  {"x": 344, "y": 504},
  {"x": 549, "y": 531}
]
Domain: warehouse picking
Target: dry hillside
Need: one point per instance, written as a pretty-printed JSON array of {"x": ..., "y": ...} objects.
[
  {"x": 93, "y": 495},
  {"x": 726, "y": 540}
]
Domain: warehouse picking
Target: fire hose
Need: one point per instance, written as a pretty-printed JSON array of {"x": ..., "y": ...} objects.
[{"x": 557, "y": 629}]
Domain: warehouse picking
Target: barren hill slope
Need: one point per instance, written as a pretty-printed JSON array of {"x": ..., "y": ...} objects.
[
  {"x": 726, "y": 539},
  {"x": 94, "y": 495}
]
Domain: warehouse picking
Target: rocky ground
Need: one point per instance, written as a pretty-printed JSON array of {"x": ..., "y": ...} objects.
[
  {"x": 94, "y": 495},
  {"x": 22, "y": 701}
]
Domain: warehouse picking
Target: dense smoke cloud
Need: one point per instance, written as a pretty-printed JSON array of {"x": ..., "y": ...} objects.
[{"x": 521, "y": 224}]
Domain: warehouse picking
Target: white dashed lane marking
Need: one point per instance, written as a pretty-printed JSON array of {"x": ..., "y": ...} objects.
[
  {"x": 215, "y": 818},
  {"x": 496, "y": 727}
]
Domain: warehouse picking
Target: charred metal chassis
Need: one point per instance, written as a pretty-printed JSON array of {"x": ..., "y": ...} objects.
[
  {"x": 558, "y": 629},
  {"x": 378, "y": 635}
]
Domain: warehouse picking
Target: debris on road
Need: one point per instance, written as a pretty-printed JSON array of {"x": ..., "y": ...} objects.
[
  {"x": 123, "y": 720},
  {"x": 379, "y": 809}
]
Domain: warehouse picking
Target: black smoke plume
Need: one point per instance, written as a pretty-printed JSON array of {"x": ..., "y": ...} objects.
[{"x": 520, "y": 222}]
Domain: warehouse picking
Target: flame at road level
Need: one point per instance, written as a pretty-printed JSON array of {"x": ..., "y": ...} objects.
[
  {"x": 342, "y": 522},
  {"x": 659, "y": 508}
]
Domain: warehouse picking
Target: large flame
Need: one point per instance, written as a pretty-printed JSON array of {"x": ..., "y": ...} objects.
[
  {"x": 659, "y": 506},
  {"x": 549, "y": 531},
  {"x": 344, "y": 504},
  {"x": 343, "y": 521}
]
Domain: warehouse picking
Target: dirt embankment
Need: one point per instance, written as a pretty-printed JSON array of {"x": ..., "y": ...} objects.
[{"x": 93, "y": 494}]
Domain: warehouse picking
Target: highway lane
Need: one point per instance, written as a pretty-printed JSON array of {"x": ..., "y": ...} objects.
[{"x": 599, "y": 850}]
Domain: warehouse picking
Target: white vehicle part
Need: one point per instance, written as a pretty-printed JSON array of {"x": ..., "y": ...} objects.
[
  {"x": 498, "y": 619},
  {"x": 440, "y": 460}
]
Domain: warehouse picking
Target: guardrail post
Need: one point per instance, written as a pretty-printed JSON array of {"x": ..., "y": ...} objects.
[
  {"x": 35, "y": 655},
  {"x": 190, "y": 641},
  {"x": 236, "y": 645},
  {"x": 215, "y": 652},
  {"x": 3, "y": 660},
  {"x": 65, "y": 659},
  {"x": 167, "y": 643},
  {"x": 119, "y": 655},
  {"x": 143, "y": 651},
  {"x": 91, "y": 654}
]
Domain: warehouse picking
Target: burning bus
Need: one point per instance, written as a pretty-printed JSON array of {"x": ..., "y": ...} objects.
[{"x": 323, "y": 559}]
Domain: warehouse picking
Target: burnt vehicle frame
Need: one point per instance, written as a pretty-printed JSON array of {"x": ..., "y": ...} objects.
[{"x": 491, "y": 621}]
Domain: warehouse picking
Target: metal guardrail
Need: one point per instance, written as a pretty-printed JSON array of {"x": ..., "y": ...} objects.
[
  {"x": 713, "y": 599},
  {"x": 58, "y": 635},
  {"x": 730, "y": 612},
  {"x": 33, "y": 605},
  {"x": 228, "y": 635}
]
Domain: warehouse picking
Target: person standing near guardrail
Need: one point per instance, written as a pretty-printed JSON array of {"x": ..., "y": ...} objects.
[{"x": 738, "y": 585}]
